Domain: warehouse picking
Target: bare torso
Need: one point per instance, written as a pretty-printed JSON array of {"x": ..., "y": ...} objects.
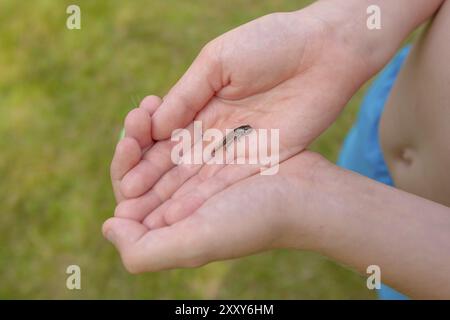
[{"x": 415, "y": 126}]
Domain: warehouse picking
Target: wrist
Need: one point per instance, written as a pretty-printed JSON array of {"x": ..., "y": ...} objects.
[
  {"x": 307, "y": 203},
  {"x": 370, "y": 49},
  {"x": 349, "y": 42}
]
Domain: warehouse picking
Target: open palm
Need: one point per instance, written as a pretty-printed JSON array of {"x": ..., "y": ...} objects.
[
  {"x": 271, "y": 73},
  {"x": 250, "y": 216}
]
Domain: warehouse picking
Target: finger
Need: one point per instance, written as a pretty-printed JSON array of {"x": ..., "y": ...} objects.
[
  {"x": 143, "y": 176},
  {"x": 124, "y": 234},
  {"x": 156, "y": 218},
  {"x": 210, "y": 180},
  {"x": 137, "y": 208},
  {"x": 189, "y": 95},
  {"x": 155, "y": 163},
  {"x": 183, "y": 178},
  {"x": 162, "y": 189},
  {"x": 180, "y": 180},
  {"x": 126, "y": 156},
  {"x": 156, "y": 200},
  {"x": 204, "y": 174},
  {"x": 196, "y": 193},
  {"x": 175, "y": 177},
  {"x": 138, "y": 126},
  {"x": 155, "y": 215},
  {"x": 150, "y": 103},
  {"x": 191, "y": 201},
  {"x": 181, "y": 245}
]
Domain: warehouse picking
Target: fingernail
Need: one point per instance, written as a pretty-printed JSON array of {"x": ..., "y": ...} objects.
[{"x": 110, "y": 236}]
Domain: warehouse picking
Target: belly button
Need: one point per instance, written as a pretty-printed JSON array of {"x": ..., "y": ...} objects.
[{"x": 406, "y": 156}]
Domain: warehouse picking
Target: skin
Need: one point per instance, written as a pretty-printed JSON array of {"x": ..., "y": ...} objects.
[
  {"x": 414, "y": 128},
  {"x": 314, "y": 60},
  {"x": 239, "y": 99}
]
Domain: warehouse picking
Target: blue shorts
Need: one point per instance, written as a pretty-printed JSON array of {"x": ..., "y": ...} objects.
[{"x": 361, "y": 151}]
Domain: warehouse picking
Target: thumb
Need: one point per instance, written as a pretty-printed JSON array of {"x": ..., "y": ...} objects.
[
  {"x": 124, "y": 234},
  {"x": 190, "y": 94}
]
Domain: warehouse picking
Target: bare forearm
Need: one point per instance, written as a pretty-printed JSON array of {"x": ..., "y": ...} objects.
[
  {"x": 364, "y": 223},
  {"x": 343, "y": 53},
  {"x": 398, "y": 19}
]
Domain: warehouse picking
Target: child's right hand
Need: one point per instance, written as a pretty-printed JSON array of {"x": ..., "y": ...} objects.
[
  {"x": 255, "y": 214},
  {"x": 287, "y": 71}
]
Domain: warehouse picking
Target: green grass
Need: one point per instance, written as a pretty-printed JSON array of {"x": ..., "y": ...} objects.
[{"x": 63, "y": 97}]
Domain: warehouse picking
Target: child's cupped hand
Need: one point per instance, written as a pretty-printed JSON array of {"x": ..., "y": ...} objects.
[
  {"x": 254, "y": 214},
  {"x": 283, "y": 71}
]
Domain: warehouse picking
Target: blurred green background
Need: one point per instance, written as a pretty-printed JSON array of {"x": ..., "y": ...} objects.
[{"x": 63, "y": 97}]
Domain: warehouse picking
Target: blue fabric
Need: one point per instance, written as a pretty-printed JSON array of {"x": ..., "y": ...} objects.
[{"x": 361, "y": 151}]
